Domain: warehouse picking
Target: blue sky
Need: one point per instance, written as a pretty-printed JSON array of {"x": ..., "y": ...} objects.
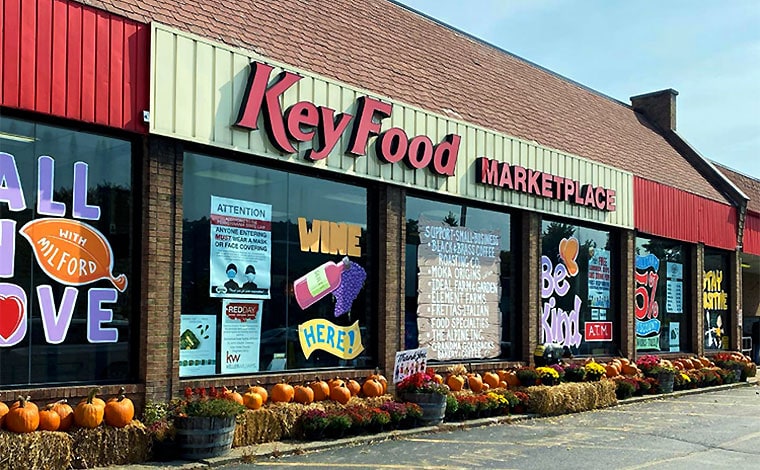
[{"x": 707, "y": 50}]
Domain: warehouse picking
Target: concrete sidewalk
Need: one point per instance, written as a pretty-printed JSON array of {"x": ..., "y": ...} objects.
[{"x": 280, "y": 448}]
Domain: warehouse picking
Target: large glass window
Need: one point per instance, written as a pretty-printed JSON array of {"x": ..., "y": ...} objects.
[
  {"x": 662, "y": 315},
  {"x": 459, "y": 282},
  {"x": 578, "y": 307},
  {"x": 716, "y": 284},
  {"x": 264, "y": 285},
  {"x": 67, "y": 235}
]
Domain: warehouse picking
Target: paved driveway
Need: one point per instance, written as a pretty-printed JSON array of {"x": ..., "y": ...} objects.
[{"x": 706, "y": 431}]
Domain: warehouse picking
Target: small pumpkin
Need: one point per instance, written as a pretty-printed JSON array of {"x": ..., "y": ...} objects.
[
  {"x": 282, "y": 393},
  {"x": 49, "y": 419},
  {"x": 492, "y": 379},
  {"x": 66, "y": 412},
  {"x": 23, "y": 416},
  {"x": 438, "y": 379},
  {"x": 475, "y": 381},
  {"x": 611, "y": 370},
  {"x": 321, "y": 389},
  {"x": 3, "y": 412},
  {"x": 383, "y": 381},
  {"x": 303, "y": 394},
  {"x": 252, "y": 400},
  {"x": 340, "y": 393},
  {"x": 261, "y": 391},
  {"x": 233, "y": 395},
  {"x": 455, "y": 382},
  {"x": 511, "y": 378},
  {"x": 88, "y": 413},
  {"x": 372, "y": 388},
  {"x": 353, "y": 386},
  {"x": 119, "y": 410},
  {"x": 336, "y": 382}
]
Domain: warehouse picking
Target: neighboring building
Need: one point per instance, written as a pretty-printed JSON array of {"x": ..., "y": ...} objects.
[{"x": 201, "y": 170}]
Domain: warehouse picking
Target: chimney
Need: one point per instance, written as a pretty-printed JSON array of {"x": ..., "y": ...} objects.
[{"x": 659, "y": 107}]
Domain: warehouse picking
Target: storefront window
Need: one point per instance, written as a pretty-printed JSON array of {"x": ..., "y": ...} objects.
[
  {"x": 662, "y": 316},
  {"x": 578, "y": 308},
  {"x": 459, "y": 289},
  {"x": 715, "y": 299},
  {"x": 67, "y": 235},
  {"x": 264, "y": 286}
]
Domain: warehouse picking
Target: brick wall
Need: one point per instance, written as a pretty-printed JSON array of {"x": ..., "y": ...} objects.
[
  {"x": 530, "y": 244},
  {"x": 627, "y": 316}
]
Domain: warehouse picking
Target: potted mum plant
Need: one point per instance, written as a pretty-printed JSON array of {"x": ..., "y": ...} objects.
[
  {"x": 422, "y": 388},
  {"x": 205, "y": 424}
]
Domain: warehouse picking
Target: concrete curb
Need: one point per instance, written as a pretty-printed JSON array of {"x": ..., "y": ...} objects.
[{"x": 276, "y": 449}]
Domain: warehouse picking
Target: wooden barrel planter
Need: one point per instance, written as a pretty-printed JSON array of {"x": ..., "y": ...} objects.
[
  {"x": 433, "y": 406},
  {"x": 201, "y": 437}
]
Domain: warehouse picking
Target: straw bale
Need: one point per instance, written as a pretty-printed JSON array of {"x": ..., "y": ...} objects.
[
  {"x": 571, "y": 397},
  {"x": 41, "y": 450},
  {"x": 257, "y": 426},
  {"x": 106, "y": 445}
]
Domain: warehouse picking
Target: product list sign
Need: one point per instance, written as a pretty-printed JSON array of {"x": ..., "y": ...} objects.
[
  {"x": 241, "y": 248},
  {"x": 458, "y": 313}
]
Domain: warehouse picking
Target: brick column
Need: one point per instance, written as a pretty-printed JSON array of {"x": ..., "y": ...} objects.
[
  {"x": 696, "y": 276},
  {"x": 735, "y": 299},
  {"x": 627, "y": 315},
  {"x": 392, "y": 263},
  {"x": 530, "y": 244},
  {"x": 161, "y": 266}
]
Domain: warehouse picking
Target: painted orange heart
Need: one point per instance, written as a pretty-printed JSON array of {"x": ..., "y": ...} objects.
[
  {"x": 11, "y": 314},
  {"x": 568, "y": 251}
]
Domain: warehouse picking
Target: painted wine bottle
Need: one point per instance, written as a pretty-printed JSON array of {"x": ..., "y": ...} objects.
[{"x": 318, "y": 283}]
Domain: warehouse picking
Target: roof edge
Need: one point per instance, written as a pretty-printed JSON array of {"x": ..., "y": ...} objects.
[{"x": 511, "y": 54}]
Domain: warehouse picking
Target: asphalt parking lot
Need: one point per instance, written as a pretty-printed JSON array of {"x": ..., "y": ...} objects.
[{"x": 717, "y": 429}]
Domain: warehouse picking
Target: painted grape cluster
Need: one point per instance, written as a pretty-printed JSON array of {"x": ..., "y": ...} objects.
[{"x": 351, "y": 282}]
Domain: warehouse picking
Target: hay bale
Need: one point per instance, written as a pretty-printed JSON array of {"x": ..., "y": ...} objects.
[
  {"x": 571, "y": 397},
  {"x": 257, "y": 426},
  {"x": 41, "y": 450},
  {"x": 106, "y": 445}
]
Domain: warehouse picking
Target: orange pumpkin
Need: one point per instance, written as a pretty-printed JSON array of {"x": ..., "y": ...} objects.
[
  {"x": 23, "y": 416},
  {"x": 321, "y": 389},
  {"x": 282, "y": 393},
  {"x": 252, "y": 400},
  {"x": 629, "y": 369},
  {"x": 381, "y": 378},
  {"x": 261, "y": 391},
  {"x": 475, "y": 381},
  {"x": 233, "y": 395},
  {"x": 3, "y": 412},
  {"x": 353, "y": 386},
  {"x": 95, "y": 400},
  {"x": 49, "y": 419},
  {"x": 455, "y": 382},
  {"x": 336, "y": 382},
  {"x": 340, "y": 393},
  {"x": 511, "y": 379},
  {"x": 303, "y": 394},
  {"x": 372, "y": 388},
  {"x": 492, "y": 379},
  {"x": 438, "y": 379},
  {"x": 119, "y": 411},
  {"x": 611, "y": 370},
  {"x": 66, "y": 413},
  {"x": 503, "y": 384},
  {"x": 89, "y": 413}
]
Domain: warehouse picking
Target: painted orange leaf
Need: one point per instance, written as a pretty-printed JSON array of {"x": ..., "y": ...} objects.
[{"x": 72, "y": 252}]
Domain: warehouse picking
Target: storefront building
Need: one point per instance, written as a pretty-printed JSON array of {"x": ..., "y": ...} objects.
[{"x": 272, "y": 204}]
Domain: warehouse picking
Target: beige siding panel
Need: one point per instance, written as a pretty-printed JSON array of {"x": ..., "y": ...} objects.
[{"x": 197, "y": 89}]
